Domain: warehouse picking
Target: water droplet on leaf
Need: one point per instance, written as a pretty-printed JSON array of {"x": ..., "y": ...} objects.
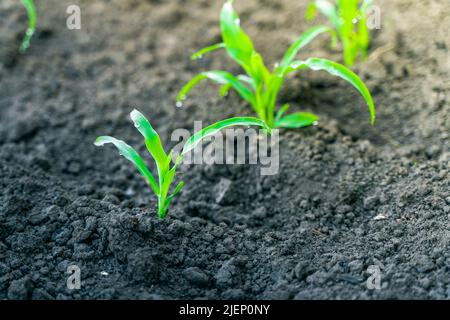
[{"x": 179, "y": 104}]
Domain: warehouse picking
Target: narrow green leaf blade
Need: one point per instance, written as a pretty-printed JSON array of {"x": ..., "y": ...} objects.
[
  {"x": 32, "y": 21},
  {"x": 221, "y": 77},
  {"x": 152, "y": 140},
  {"x": 131, "y": 155},
  {"x": 341, "y": 71},
  {"x": 281, "y": 112},
  {"x": 167, "y": 181},
  {"x": 238, "y": 44},
  {"x": 175, "y": 192},
  {"x": 329, "y": 10},
  {"x": 259, "y": 72},
  {"x": 214, "y": 128},
  {"x": 301, "y": 42},
  {"x": 297, "y": 120},
  {"x": 199, "y": 54}
]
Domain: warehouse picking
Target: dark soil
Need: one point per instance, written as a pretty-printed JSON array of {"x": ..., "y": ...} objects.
[{"x": 307, "y": 233}]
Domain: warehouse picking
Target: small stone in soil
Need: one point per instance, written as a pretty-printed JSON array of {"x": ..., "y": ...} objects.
[{"x": 196, "y": 276}]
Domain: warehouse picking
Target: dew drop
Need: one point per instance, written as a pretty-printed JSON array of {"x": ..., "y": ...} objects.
[
  {"x": 137, "y": 125},
  {"x": 355, "y": 20},
  {"x": 237, "y": 21},
  {"x": 179, "y": 104}
]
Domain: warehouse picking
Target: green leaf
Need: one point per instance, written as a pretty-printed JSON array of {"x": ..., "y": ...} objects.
[
  {"x": 32, "y": 21},
  {"x": 301, "y": 42},
  {"x": 216, "y": 127},
  {"x": 175, "y": 192},
  {"x": 297, "y": 120},
  {"x": 311, "y": 11},
  {"x": 341, "y": 71},
  {"x": 152, "y": 140},
  {"x": 131, "y": 155},
  {"x": 238, "y": 44},
  {"x": 246, "y": 79},
  {"x": 243, "y": 78},
  {"x": 282, "y": 111},
  {"x": 167, "y": 181},
  {"x": 328, "y": 9},
  {"x": 259, "y": 71},
  {"x": 177, "y": 189},
  {"x": 366, "y": 4},
  {"x": 221, "y": 77},
  {"x": 199, "y": 54}
]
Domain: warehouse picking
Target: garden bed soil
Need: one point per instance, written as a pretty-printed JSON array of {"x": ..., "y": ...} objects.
[{"x": 348, "y": 196}]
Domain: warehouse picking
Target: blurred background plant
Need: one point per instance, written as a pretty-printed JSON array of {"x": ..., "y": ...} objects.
[
  {"x": 349, "y": 19},
  {"x": 32, "y": 21}
]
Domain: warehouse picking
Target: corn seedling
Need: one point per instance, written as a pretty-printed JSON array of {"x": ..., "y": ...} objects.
[
  {"x": 349, "y": 19},
  {"x": 260, "y": 87},
  {"x": 166, "y": 173},
  {"x": 32, "y": 20}
]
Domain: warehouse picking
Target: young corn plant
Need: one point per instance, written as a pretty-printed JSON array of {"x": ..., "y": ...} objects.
[
  {"x": 166, "y": 172},
  {"x": 259, "y": 86},
  {"x": 349, "y": 19},
  {"x": 32, "y": 20}
]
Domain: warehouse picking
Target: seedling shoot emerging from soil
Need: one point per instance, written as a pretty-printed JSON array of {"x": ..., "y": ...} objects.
[
  {"x": 166, "y": 173},
  {"x": 32, "y": 19},
  {"x": 260, "y": 87},
  {"x": 349, "y": 19}
]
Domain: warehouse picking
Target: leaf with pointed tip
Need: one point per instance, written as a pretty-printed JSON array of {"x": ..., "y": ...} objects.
[
  {"x": 238, "y": 44},
  {"x": 281, "y": 112},
  {"x": 131, "y": 155},
  {"x": 327, "y": 8},
  {"x": 152, "y": 140},
  {"x": 175, "y": 192},
  {"x": 199, "y": 54},
  {"x": 341, "y": 71},
  {"x": 297, "y": 120},
  {"x": 216, "y": 127},
  {"x": 301, "y": 42},
  {"x": 221, "y": 77}
]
